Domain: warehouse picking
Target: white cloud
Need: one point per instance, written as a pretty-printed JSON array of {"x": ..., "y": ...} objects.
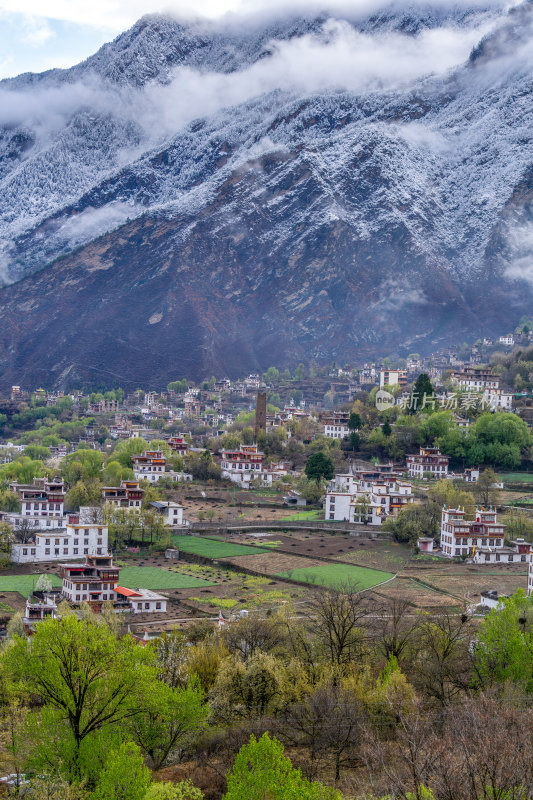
[
  {"x": 94, "y": 222},
  {"x": 339, "y": 58},
  {"x": 342, "y": 59},
  {"x": 419, "y": 135},
  {"x": 520, "y": 266},
  {"x": 36, "y": 32},
  {"x": 119, "y": 14}
]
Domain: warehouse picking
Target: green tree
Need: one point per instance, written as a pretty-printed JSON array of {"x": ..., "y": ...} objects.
[
  {"x": 435, "y": 427},
  {"x": 180, "y": 387},
  {"x": 37, "y": 452},
  {"x": 128, "y": 448},
  {"x": 168, "y": 720},
  {"x": 297, "y": 397},
  {"x": 484, "y": 490},
  {"x": 354, "y": 421},
  {"x": 9, "y": 501},
  {"x": 362, "y": 508},
  {"x": 55, "y": 788},
  {"x": 504, "y": 645},
  {"x": 319, "y": 466},
  {"x": 86, "y": 679},
  {"x": 355, "y": 441},
  {"x": 299, "y": 373},
  {"x": 124, "y": 776},
  {"x": 261, "y": 770},
  {"x": 114, "y": 472},
  {"x": 310, "y": 490},
  {"x": 445, "y": 493},
  {"x": 202, "y": 466},
  {"x": 124, "y": 525},
  {"x": 414, "y": 521},
  {"x": 184, "y": 790},
  {"x": 81, "y": 464},
  {"x": 24, "y": 470},
  {"x": 7, "y": 537},
  {"x": 84, "y": 493},
  {"x": 423, "y": 388},
  {"x": 271, "y": 375},
  {"x": 518, "y": 524},
  {"x": 498, "y": 439}
]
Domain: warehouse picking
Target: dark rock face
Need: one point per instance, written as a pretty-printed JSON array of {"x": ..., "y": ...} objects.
[{"x": 318, "y": 225}]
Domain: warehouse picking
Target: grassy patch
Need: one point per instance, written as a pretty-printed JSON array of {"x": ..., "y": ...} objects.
[
  {"x": 213, "y": 548},
  {"x": 273, "y": 596},
  {"x": 338, "y": 576},
  {"x": 155, "y": 579},
  {"x": 217, "y": 602},
  {"x": 522, "y": 501},
  {"x": 516, "y": 477},
  {"x": 254, "y": 582},
  {"x": 303, "y": 515},
  {"x": 24, "y": 584}
]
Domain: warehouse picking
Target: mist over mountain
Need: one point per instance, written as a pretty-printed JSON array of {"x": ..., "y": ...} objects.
[{"x": 204, "y": 197}]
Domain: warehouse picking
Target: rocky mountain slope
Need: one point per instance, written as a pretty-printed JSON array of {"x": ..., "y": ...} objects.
[{"x": 215, "y": 198}]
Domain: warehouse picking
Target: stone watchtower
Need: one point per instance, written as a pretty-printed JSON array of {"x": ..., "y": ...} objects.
[{"x": 260, "y": 413}]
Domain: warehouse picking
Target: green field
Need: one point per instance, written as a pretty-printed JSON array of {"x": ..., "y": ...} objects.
[
  {"x": 314, "y": 514},
  {"x": 214, "y": 548},
  {"x": 24, "y": 584},
  {"x": 155, "y": 579},
  {"x": 516, "y": 477},
  {"x": 338, "y": 576}
]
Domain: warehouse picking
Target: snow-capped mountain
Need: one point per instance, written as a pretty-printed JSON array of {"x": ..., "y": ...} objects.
[{"x": 219, "y": 197}]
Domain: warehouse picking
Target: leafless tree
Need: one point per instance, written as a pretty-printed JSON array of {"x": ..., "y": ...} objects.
[
  {"x": 24, "y": 531},
  {"x": 401, "y": 764},
  {"x": 442, "y": 667},
  {"x": 340, "y": 622},
  {"x": 251, "y": 634},
  {"x": 393, "y": 628},
  {"x": 329, "y": 723},
  {"x": 486, "y": 752}
]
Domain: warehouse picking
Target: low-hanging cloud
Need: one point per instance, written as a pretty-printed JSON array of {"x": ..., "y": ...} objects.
[
  {"x": 339, "y": 58},
  {"x": 520, "y": 265},
  {"x": 94, "y": 222}
]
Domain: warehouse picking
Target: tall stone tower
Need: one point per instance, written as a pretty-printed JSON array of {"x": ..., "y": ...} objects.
[{"x": 260, "y": 413}]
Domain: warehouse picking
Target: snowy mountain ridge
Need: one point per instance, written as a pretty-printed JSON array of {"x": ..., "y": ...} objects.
[{"x": 384, "y": 161}]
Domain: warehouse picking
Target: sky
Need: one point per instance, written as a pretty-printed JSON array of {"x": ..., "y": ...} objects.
[{"x": 36, "y": 35}]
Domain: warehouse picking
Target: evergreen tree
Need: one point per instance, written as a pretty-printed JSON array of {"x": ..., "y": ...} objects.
[
  {"x": 319, "y": 466},
  {"x": 422, "y": 387}
]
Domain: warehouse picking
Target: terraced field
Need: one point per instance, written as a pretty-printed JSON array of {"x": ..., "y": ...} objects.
[
  {"x": 24, "y": 584},
  {"x": 157, "y": 579},
  {"x": 338, "y": 576},
  {"x": 273, "y": 563},
  {"x": 213, "y": 548}
]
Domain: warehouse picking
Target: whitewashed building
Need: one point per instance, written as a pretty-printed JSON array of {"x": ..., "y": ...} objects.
[
  {"x": 498, "y": 399},
  {"x": 368, "y": 500},
  {"x": 96, "y": 581},
  {"x": 76, "y": 540},
  {"x": 429, "y": 462},
  {"x": 42, "y": 498},
  {"x": 144, "y": 601},
  {"x": 152, "y": 466},
  {"x": 171, "y": 512},
  {"x": 474, "y": 380},
  {"x": 336, "y": 427},
  {"x": 244, "y": 465},
  {"x": 460, "y": 537}
]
